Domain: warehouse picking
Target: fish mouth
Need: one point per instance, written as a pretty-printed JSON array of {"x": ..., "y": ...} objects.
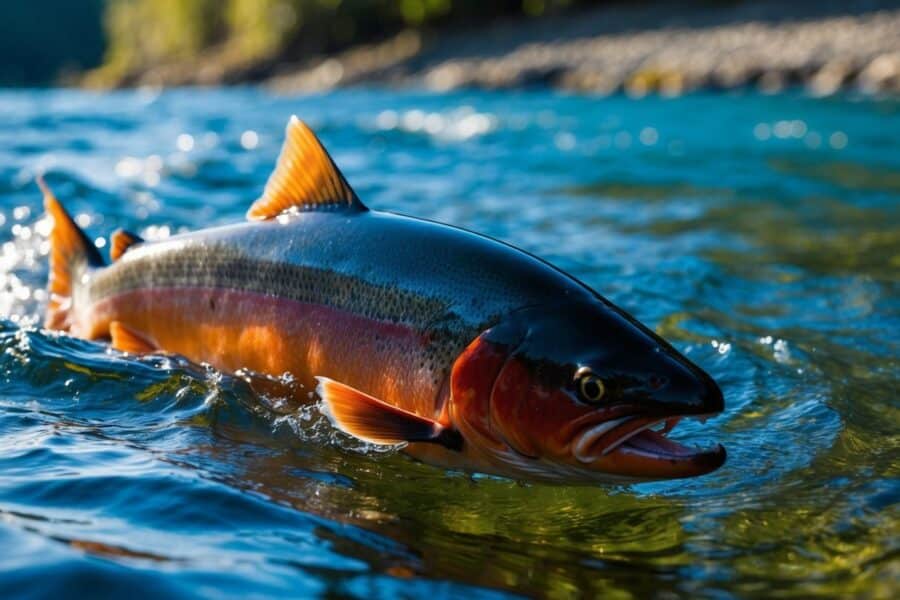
[{"x": 635, "y": 446}]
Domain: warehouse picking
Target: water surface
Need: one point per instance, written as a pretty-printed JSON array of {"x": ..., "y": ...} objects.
[{"x": 759, "y": 234}]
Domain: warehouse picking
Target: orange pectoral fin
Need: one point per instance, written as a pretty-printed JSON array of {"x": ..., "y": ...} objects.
[
  {"x": 377, "y": 422},
  {"x": 128, "y": 340}
]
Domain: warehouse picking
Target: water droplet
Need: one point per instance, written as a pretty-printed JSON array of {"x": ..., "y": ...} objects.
[
  {"x": 564, "y": 141},
  {"x": 781, "y": 352},
  {"x": 413, "y": 120},
  {"x": 387, "y": 119},
  {"x": 434, "y": 123},
  {"x": 838, "y": 140},
  {"x": 782, "y": 129},
  {"x": 762, "y": 131},
  {"x": 185, "y": 142},
  {"x": 128, "y": 167},
  {"x": 249, "y": 140},
  {"x": 798, "y": 128},
  {"x": 649, "y": 136}
]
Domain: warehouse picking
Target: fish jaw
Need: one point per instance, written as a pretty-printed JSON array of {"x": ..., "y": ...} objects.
[
  {"x": 638, "y": 447},
  {"x": 546, "y": 430}
]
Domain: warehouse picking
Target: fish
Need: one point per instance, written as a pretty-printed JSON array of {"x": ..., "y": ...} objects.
[{"x": 466, "y": 352}]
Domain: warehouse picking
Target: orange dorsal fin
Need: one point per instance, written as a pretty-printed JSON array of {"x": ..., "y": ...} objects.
[
  {"x": 120, "y": 241},
  {"x": 305, "y": 178},
  {"x": 69, "y": 247},
  {"x": 377, "y": 422},
  {"x": 128, "y": 340}
]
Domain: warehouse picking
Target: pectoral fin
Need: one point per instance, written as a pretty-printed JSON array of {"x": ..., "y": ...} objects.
[
  {"x": 128, "y": 340},
  {"x": 372, "y": 420}
]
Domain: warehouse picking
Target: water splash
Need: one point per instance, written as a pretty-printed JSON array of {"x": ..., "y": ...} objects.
[{"x": 758, "y": 234}]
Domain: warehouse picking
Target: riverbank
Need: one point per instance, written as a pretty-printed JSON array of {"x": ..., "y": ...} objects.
[
  {"x": 635, "y": 48},
  {"x": 641, "y": 49}
]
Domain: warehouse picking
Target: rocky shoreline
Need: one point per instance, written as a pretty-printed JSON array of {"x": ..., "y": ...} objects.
[{"x": 638, "y": 49}]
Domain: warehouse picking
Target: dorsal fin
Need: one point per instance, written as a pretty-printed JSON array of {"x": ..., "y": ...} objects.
[
  {"x": 120, "y": 241},
  {"x": 305, "y": 178}
]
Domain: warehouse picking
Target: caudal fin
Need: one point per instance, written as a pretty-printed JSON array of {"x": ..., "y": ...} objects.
[{"x": 70, "y": 249}]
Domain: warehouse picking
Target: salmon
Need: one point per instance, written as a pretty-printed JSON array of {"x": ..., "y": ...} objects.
[{"x": 468, "y": 352}]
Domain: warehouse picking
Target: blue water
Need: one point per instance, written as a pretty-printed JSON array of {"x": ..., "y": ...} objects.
[{"x": 760, "y": 234}]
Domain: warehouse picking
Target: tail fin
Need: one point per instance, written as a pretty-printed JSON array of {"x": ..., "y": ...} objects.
[{"x": 70, "y": 249}]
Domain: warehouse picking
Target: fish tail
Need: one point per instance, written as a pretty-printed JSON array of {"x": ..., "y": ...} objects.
[{"x": 70, "y": 252}]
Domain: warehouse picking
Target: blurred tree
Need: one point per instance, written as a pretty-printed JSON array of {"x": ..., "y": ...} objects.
[
  {"x": 244, "y": 34},
  {"x": 147, "y": 32}
]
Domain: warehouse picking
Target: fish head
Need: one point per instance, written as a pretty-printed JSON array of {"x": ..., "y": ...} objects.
[{"x": 582, "y": 391}]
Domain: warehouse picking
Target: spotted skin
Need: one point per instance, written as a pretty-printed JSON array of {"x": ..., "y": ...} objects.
[{"x": 381, "y": 302}]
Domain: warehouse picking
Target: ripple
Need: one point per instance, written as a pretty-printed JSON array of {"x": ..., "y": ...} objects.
[{"x": 758, "y": 234}]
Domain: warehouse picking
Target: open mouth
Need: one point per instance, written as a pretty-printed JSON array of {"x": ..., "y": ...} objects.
[{"x": 638, "y": 447}]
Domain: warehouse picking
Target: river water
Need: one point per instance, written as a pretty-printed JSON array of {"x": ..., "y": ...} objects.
[{"x": 759, "y": 234}]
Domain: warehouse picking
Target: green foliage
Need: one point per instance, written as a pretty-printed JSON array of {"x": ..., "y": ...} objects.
[
  {"x": 261, "y": 27},
  {"x": 147, "y": 33}
]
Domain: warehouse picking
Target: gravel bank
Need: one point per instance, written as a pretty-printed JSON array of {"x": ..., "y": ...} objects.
[{"x": 639, "y": 49}]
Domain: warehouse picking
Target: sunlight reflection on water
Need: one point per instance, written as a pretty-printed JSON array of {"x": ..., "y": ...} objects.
[{"x": 760, "y": 234}]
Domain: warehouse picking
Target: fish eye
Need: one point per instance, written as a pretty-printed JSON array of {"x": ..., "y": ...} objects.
[{"x": 590, "y": 386}]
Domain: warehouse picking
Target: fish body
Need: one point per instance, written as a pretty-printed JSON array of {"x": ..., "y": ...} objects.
[
  {"x": 460, "y": 346},
  {"x": 363, "y": 299}
]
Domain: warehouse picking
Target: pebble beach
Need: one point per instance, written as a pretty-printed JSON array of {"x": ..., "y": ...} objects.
[{"x": 638, "y": 49}]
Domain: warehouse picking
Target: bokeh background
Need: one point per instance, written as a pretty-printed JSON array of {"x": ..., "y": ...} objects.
[{"x": 599, "y": 47}]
